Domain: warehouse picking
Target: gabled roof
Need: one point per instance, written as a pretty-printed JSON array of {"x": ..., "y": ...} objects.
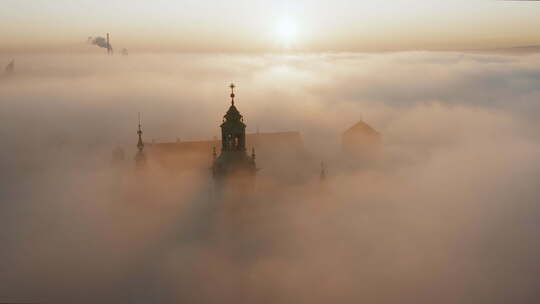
[{"x": 197, "y": 155}]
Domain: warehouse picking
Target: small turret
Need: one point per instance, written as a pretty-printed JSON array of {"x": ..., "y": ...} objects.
[{"x": 140, "y": 157}]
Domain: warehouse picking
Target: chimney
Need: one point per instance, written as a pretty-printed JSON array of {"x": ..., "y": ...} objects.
[{"x": 108, "y": 45}]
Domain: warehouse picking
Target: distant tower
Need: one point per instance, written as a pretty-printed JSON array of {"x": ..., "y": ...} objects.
[
  {"x": 140, "y": 158},
  {"x": 234, "y": 169}
]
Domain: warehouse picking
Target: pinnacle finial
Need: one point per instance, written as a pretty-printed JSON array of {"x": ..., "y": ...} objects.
[{"x": 232, "y": 86}]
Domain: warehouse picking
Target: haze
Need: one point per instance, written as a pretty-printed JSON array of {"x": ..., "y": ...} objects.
[
  {"x": 449, "y": 214},
  {"x": 257, "y": 26},
  {"x": 446, "y": 213}
]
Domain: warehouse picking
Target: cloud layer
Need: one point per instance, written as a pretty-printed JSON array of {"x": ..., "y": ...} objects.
[{"x": 448, "y": 214}]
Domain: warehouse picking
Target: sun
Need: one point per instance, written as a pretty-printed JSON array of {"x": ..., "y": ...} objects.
[{"x": 286, "y": 32}]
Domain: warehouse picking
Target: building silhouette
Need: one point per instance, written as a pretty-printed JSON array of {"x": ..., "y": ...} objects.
[
  {"x": 230, "y": 161},
  {"x": 195, "y": 155},
  {"x": 233, "y": 169}
]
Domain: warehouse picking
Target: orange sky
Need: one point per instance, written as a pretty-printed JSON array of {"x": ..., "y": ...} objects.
[{"x": 256, "y": 25}]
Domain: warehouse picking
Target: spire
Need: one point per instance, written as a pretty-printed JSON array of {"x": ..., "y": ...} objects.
[
  {"x": 232, "y": 86},
  {"x": 233, "y": 114},
  {"x": 140, "y": 158},
  {"x": 140, "y": 144}
]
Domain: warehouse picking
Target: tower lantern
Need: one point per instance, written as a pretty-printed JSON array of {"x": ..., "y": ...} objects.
[
  {"x": 234, "y": 163},
  {"x": 233, "y": 129}
]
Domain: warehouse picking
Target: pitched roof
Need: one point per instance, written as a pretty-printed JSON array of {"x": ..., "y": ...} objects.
[{"x": 264, "y": 141}]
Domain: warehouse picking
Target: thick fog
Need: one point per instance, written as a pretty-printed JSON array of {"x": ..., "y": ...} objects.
[{"x": 448, "y": 213}]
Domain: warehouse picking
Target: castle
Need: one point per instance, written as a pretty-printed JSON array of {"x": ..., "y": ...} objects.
[{"x": 235, "y": 157}]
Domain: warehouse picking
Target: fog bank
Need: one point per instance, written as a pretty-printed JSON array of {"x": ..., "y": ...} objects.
[{"x": 448, "y": 214}]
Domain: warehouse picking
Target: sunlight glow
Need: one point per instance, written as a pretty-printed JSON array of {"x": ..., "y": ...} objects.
[{"x": 286, "y": 33}]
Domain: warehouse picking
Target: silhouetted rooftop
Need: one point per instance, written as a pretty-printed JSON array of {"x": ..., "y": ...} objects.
[{"x": 198, "y": 154}]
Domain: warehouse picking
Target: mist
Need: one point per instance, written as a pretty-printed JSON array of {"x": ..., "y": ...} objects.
[{"x": 448, "y": 213}]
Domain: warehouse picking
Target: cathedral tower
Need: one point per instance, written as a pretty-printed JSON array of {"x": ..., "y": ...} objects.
[{"x": 234, "y": 168}]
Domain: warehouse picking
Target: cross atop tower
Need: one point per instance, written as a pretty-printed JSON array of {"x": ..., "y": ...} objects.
[{"x": 232, "y": 86}]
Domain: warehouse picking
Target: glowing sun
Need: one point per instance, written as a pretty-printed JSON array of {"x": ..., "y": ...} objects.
[{"x": 286, "y": 32}]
